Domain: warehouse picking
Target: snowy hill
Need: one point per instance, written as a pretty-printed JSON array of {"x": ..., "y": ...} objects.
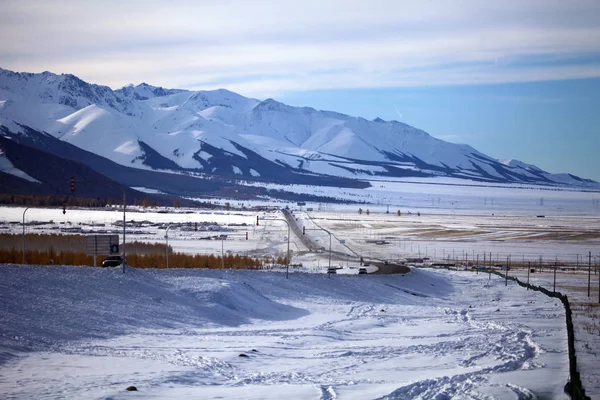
[
  {"x": 79, "y": 332},
  {"x": 225, "y": 134}
]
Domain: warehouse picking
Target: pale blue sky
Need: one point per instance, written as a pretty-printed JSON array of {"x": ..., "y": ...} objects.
[
  {"x": 554, "y": 125},
  {"x": 513, "y": 78}
]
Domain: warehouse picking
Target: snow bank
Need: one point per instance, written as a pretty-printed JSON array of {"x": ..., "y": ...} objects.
[{"x": 79, "y": 332}]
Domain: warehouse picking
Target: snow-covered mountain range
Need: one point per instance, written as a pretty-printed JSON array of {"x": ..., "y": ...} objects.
[{"x": 221, "y": 133}]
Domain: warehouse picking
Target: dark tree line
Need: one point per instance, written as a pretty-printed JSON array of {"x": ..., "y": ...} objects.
[{"x": 72, "y": 201}]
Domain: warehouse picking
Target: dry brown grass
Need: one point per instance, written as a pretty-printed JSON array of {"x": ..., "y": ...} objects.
[
  {"x": 70, "y": 250},
  {"x": 176, "y": 260},
  {"x": 588, "y": 320},
  {"x": 563, "y": 235},
  {"x": 445, "y": 233}
]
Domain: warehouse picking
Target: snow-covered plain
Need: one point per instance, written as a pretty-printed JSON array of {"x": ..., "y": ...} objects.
[
  {"x": 76, "y": 332},
  {"x": 453, "y": 196},
  {"x": 440, "y": 219},
  {"x": 319, "y": 337}
]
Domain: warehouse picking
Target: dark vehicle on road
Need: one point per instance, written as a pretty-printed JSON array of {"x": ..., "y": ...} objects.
[
  {"x": 112, "y": 261},
  {"x": 362, "y": 270},
  {"x": 332, "y": 270}
]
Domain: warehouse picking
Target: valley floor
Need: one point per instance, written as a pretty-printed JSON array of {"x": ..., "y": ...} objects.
[{"x": 78, "y": 332}]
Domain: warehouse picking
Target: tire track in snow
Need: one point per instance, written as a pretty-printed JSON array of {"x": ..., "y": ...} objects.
[{"x": 515, "y": 348}]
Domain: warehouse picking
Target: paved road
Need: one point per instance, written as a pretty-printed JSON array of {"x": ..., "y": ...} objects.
[{"x": 383, "y": 268}]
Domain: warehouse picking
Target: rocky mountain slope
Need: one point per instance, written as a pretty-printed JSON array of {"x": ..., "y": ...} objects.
[{"x": 220, "y": 133}]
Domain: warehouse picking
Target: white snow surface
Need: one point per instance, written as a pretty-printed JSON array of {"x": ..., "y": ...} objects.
[{"x": 80, "y": 332}]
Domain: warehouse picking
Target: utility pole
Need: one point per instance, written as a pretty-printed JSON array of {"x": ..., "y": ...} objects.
[
  {"x": 528, "y": 271},
  {"x": 287, "y": 270},
  {"x": 27, "y": 208},
  {"x": 124, "y": 206},
  {"x": 507, "y": 267},
  {"x": 589, "y": 273},
  {"x": 321, "y": 229},
  {"x": 167, "y": 248},
  {"x": 555, "y": 265},
  {"x": 329, "y": 268}
]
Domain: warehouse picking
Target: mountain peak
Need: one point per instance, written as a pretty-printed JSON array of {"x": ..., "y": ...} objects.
[
  {"x": 271, "y": 105},
  {"x": 520, "y": 164},
  {"x": 144, "y": 91},
  {"x": 221, "y": 132}
]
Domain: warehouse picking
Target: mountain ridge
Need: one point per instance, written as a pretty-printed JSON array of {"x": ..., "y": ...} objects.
[{"x": 218, "y": 132}]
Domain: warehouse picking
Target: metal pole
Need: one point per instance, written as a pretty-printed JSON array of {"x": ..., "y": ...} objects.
[
  {"x": 124, "y": 254},
  {"x": 329, "y": 248},
  {"x": 287, "y": 268},
  {"x": 167, "y": 248},
  {"x": 589, "y": 273},
  {"x": 506, "y": 275},
  {"x": 26, "y": 208},
  {"x": 528, "y": 271},
  {"x": 288, "y": 244},
  {"x": 554, "y": 288}
]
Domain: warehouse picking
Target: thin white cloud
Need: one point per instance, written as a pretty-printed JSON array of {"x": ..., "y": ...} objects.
[{"x": 262, "y": 47}]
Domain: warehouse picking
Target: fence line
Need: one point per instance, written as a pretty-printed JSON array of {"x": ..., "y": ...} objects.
[{"x": 574, "y": 387}]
